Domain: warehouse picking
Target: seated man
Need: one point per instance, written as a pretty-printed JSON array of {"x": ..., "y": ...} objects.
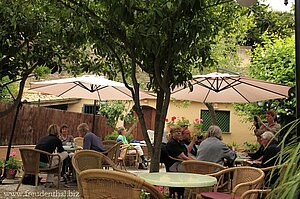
[
  {"x": 176, "y": 149},
  {"x": 212, "y": 149},
  {"x": 270, "y": 144},
  {"x": 122, "y": 138},
  {"x": 49, "y": 144},
  {"x": 90, "y": 140},
  {"x": 271, "y": 150}
]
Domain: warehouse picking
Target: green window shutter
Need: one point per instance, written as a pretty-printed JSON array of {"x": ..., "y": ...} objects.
[{"x": 223, "y": 120}]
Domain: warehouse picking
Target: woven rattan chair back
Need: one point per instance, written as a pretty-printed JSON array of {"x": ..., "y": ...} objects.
[
  {"x": 89, "y": 159},
  {"x": 201, "y": 167},
  {"x": 122, "y": 157},
  {"x": 256, "y": 193},
  {"x": 30, "y": 160},
  {"x": 78, "y": 141},
  {"x": 114, "y": 152},
  {"x": 98, "y": 184},
  {"x": 108, "y": 144},
  {"x": 241, "y": 179},
  {"x": 244, "y": 175},
  {"x": 31, "y": 164},
  {"x": 250, "y": 177}
]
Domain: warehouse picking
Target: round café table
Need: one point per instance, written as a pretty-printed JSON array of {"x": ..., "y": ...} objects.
[{"x": 177, "y": 179}]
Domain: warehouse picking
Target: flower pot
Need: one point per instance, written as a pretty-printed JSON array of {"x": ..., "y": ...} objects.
[
  {"x": 1, "y": 168},
  {"x": 10, "y": 173}
]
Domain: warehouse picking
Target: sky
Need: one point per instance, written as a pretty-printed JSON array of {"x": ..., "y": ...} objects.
[{"x": 279, "y": 4}]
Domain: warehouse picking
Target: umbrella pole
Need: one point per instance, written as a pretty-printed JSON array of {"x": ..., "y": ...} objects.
[{"x": 94, "y": 116}]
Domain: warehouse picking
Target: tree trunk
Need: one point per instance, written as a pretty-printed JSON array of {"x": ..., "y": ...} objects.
[{"x": 212, "y": 113}]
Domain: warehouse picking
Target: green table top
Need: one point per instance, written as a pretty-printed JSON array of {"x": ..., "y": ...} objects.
[{"x": 176, "y": 179}]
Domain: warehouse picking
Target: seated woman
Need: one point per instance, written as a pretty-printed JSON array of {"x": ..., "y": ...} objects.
[
  {"x": 189, "y": 142},
  {"x": 122, "y": 138},
  {"x": 259, "y": 153},
  {"x": 212, "y": 149},
  {"x": 64, "y": 135},
  {"x": 50, "y": 143},
  {"x": 67, "y": 168}
]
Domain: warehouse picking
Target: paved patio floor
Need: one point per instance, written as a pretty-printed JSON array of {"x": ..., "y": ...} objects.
[{"x": 69, "y": 190}]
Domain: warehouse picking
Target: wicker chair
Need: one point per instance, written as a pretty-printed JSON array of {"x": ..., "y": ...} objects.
[
  {"x": 132, "y": 157},
  {"x": 202, "y": 167},
  {"x": 97, "y": 183},
  {"x": 254, "y": 193},
  {"x": 89, "y": 159},
  {"x": 108, "y": 144},
  {"x": 240, "y": 179},
  {"x": 79, "y": 141},
  {"x": 122, "y": 157},
  {"x": 114, "y": 152},
  {"x": 31, "y": 164}
]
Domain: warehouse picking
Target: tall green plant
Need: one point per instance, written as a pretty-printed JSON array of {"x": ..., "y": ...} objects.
[{"x": 288, "y": 184}]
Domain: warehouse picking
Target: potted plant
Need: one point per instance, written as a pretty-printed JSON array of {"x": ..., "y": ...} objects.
[
  {"x": 182, "y": 122},
  {"x": 198, "y": 126},
  {"x": 12, "y": 165}
]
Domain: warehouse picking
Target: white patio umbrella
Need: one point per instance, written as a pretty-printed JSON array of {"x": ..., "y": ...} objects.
[
  {"x": 227, "y": 88},
  {"x": 87, "y": 87}
]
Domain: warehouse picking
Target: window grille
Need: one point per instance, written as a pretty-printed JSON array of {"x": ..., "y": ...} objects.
[
  {"x": 89, "y": 108},
  {"x": 223, "y": 120}
]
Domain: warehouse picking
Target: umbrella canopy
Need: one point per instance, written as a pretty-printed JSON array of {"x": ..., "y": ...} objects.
[
  {"x": 87, "y": 87},
  {"x": 226, "y": 88}
]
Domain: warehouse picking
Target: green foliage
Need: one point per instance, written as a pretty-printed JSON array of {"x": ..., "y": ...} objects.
[
  {"x": 115, "y": 110},
  {"x": 269, "y": 22},
  {"x": 182, "y": 121},
  {"x": 5, "y": 95},
  {"x": 12, "y": 162},
  {"x": 273, "y": 61},
  {"x": 2, "y": 163},
  {"x": 287, "y": 185},
  {"x": 114, "y": 135},
  {"x": 250, "y": 147},
  {"x": 233, "y": 145}
]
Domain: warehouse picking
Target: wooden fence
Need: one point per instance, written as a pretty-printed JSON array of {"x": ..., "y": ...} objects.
[{"x": 32, "y": 123}]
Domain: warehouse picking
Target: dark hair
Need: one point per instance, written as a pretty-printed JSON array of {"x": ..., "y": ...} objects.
[
  {"x": 120, "y": 130},
  {"x": 273, "y": 114},
  {"x": 63, "y": 126}
]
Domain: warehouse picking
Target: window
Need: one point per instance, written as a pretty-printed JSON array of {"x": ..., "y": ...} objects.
[
  {"x": 89, "y": 108},
  {"x": 223, "y": 120}
]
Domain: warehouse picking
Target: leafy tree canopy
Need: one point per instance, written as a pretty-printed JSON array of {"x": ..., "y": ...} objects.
[
  {"x": 274, "y": 61},
  {"x": 34, "y": 36},
  {"x": 165, "y": 39}
]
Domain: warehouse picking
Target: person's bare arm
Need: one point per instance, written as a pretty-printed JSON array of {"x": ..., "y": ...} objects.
[
  {"x": 184, "y": 157},
  {"x": 190, "y": 146}
]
